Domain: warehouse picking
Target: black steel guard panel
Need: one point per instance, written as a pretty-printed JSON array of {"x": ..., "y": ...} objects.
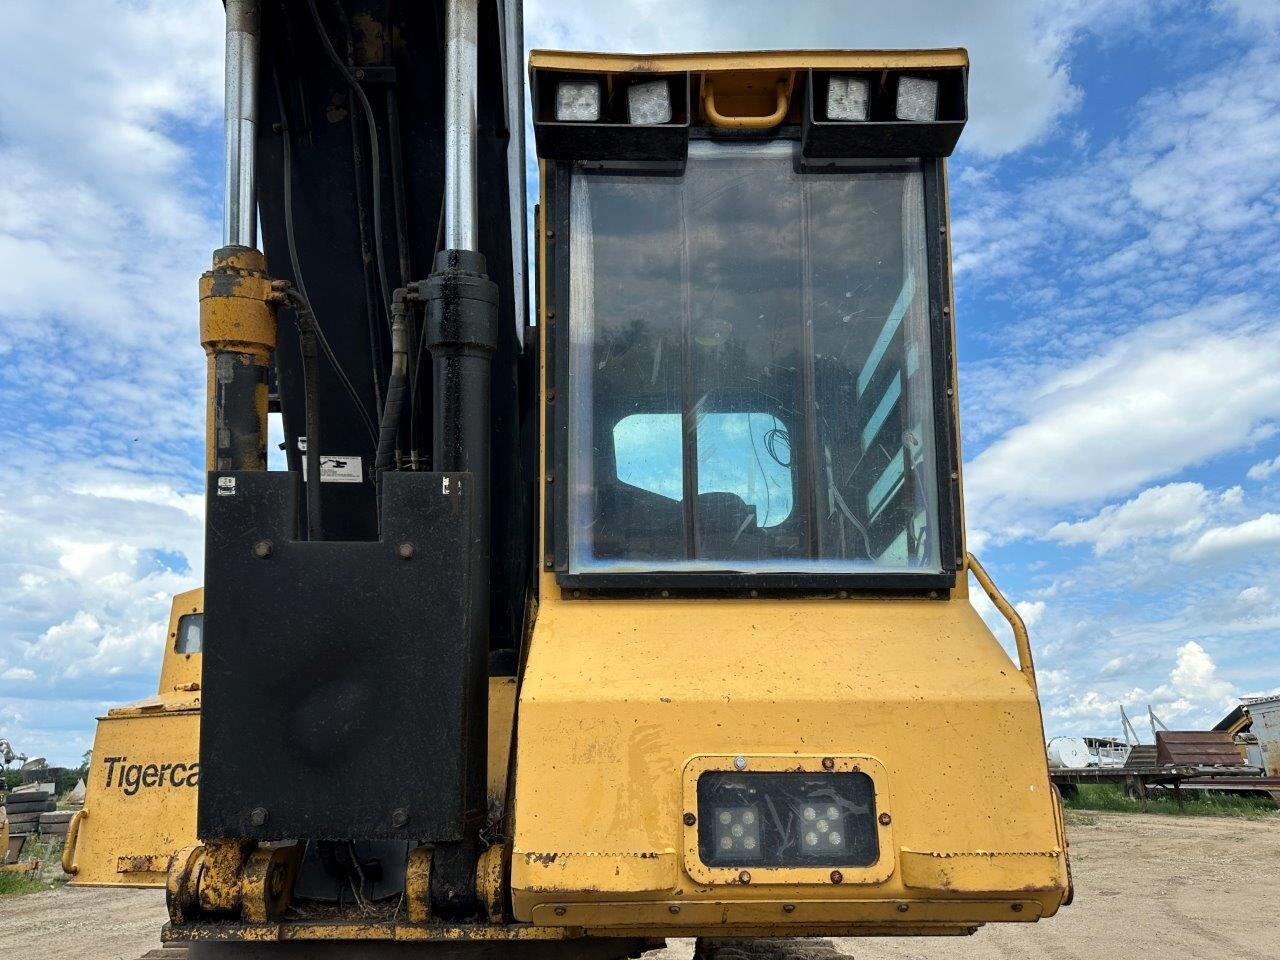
[{"x": 334, "y": 691}]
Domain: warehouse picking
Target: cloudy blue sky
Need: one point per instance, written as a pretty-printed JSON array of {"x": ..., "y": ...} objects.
[{"x": 1117, "y": 232}]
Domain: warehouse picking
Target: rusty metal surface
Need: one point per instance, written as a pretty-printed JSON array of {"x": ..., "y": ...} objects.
[
  {"x": 1142, "y": 755},
  {"x": 1208, "y": 748},
  {"x": 579, "y": 948},
  {"x": 356, "y": 928}
]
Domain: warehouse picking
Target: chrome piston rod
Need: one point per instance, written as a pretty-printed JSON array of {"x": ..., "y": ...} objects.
[
  {"x": 513, "y": 62},
  {"x": 460, "y": 80},
  {"x": 240, "y": 215}
]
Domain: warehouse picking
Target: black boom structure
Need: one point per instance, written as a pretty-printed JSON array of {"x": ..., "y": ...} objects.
[{"x": 350, "y": 173}]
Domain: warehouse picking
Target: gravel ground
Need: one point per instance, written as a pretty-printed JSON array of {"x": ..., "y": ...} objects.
[{"x": 1194, "y": 888}]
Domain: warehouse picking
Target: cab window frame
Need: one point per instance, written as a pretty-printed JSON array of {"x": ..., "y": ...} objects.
[{"x": 554, "y": 249}]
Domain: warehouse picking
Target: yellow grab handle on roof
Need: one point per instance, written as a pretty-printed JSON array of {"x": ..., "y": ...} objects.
[
  {"x": 1025, "y": 663},
  {"x": 744, "y": 123}
]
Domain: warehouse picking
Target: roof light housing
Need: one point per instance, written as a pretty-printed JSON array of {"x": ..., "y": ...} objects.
[
  {"x": 908, "y": 113},
  {"x": 607, "y": 115}
]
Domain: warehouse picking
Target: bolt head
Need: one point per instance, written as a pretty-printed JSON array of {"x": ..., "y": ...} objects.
[
  {"x": 739, "y": 763},
  {"x": 1017, "y": 908},
  {"x": 903, "y": 907},
  {"x": 674, "y": 908},
  {"x": 885, "y": 819},
  {"x": 837, "y": 876},
  {"x": 561, "y": 911},
  {"x": 258, "y": 816},
  {"x": 690, "y": 819},
  {"x": 828, "y": 763},
  {"x": 788, "y": 908},
  {"x": 404, "y": 551},
  {"x": 744, "y": 876},
  {"x": 262, "y": 549},
  {"x": 399, "y": 817}
]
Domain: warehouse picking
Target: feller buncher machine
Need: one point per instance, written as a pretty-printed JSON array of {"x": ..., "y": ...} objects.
[{"x": 640, "y": 613}]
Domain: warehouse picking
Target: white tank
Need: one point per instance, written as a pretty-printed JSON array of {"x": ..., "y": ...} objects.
[{"x": 1069, "y": 752}]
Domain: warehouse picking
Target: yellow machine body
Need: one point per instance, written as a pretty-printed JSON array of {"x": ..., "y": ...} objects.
[
  {"x": 624, "y": 702},
  {"x": 140, "y": 799}
]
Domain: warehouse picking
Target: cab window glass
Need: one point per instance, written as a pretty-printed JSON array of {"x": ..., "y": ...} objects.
[
  {"x": 746, "y": 454},
  {"x": 190, "y": 637},
  {"x": 749, "y": 368}
]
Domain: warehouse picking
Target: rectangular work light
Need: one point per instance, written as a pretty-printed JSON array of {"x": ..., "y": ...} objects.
[
  {"x": 649, "y": 102},
  {"x": 917, "y": 99},
  {"x": 578, "y": 101},
  {"x": 847, "y": 97}
]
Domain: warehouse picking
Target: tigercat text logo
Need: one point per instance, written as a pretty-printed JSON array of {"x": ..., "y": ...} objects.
[{"x": 132, "y": 777}]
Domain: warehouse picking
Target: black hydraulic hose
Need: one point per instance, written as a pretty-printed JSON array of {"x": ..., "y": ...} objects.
[
  {"x": 375, "y": 156},
  {"x": 398, "y": 200},
  {"x": 307, "y": 342},
  {"x": 373, "y": 313},
  {"x": 398, "y": 203},
  {"x": 395, "y": 383},
  {"x": 300, "y": 287}
]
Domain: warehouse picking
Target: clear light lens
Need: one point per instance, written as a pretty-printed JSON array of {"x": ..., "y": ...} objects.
[
  {"x": 917, "y": 99},
  {"x": 847, "y": 98},
  {"x": 738, "y": 831},
  {"x": 835, "y": 839},
  {"x": 649, "y": 102},
  {"x": 810, "y": 813},
  {"x": 832, "y": 813},
  {"x": 578, "y": 100},
  {"x": 811, "y": 839}
]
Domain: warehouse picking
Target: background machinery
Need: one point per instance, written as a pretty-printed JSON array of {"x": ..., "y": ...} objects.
[{"x": 646, "y": 619}]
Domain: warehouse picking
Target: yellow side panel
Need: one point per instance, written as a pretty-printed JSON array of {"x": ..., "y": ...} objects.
[
  {"x": 140, "y": 805},
  {"x": 181, "y": 671},
  {"x": 620, "y": 696},
  {"x": 502, "y": 705}
]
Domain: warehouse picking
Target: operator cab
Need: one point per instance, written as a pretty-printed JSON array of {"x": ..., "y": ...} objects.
[
  {"x": 750, "y": 378},
  {"x": 754, "y": 666}
]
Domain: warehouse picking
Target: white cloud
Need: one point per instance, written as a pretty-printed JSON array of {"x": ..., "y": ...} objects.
[
  {"x": 1031, "y": 611},
  {"x": 1143, "y": 408},
  {"x": 1254, "y": 13},
  {"x": 1260, "y": 471},
  {"x": 1193, "y": 696},
  {"x": 1195, "y": 676},
  {"x": 1120, "y": 666},
  {"x": 108, "y": 196},
  {"x": 1166, "y": 511},
  {"x": 1261, "y": 534}
]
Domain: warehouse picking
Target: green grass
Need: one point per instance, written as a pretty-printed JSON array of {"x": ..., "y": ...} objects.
[
  {"x": 1199, "y": 803},
  {"x": 14, "y": 884},
  {"x": 49, "y": 852}
]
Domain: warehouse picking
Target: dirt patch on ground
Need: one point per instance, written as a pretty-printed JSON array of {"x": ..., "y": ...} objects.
[{"x": 1194, "y": 888}]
